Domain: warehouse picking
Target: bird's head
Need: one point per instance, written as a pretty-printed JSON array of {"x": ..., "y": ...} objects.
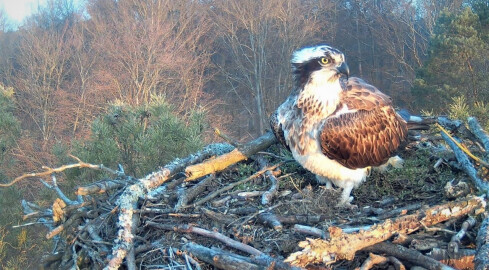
[{"x": 321, "y": 62}]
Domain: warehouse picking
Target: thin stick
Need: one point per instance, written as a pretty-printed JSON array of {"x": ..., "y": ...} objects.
[
  {"x": 49, "y": 171},
  {"x": 215, "y": 235},
  {"x": 231, "y": 186}
]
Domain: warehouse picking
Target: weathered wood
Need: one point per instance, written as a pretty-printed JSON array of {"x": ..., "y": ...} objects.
[
  {"x": 481, "y": 260},
  {"x": 223, "y": 161},
  {"x": 189, "y": 194},
  {"x": 212, "y": 234},
  {"x": 466, "y": 165},
  {"x": 220, "y": 259},
  {"x": 464, "y": 259},
  {"x": 128, "y": 200},
  {"x": 229, "y": 261},
  {"x": 372, "y": 260},
  {"x": 455, "y": 241},
  {"x": 101, "y": 187},
  {"x": 49, "y": 171},
  {"x": 232, "y": 185},
  {"x": 343, "y": 246},
  {"x": 410, "y": 255},
  {"x": 476, "y": 128}
]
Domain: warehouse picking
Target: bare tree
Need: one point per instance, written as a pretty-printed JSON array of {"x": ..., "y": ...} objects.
[
  {"x": 42, "y": 61},
  {"x": 430, "y": 10},
  {"x": 84, "y": 58},
  {"x": 256, "y": 39},
  {"x": 385, "y": 43},
  {"x": 151, "y": 47}
]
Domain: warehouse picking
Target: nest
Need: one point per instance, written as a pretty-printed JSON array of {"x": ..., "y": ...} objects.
[{"x": 240, "y": 208}]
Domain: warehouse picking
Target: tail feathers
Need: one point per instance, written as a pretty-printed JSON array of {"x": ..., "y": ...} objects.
[{"x": 416, "y": 122}]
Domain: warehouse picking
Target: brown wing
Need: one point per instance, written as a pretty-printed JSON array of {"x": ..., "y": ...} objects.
[
  {"x": 360, "y": 95},
  {"x": 277, "y": 129},
  {"x": 366, "y": 136}
]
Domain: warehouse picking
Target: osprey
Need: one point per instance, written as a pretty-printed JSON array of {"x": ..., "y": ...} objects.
[{"x": 335, "y": 126}]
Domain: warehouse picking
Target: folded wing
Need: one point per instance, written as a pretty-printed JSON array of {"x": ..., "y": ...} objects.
[{"x": 365, "y": 130}]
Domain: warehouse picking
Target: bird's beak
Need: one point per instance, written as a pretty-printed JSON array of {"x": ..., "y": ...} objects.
[{"x": 343, "y": 69}]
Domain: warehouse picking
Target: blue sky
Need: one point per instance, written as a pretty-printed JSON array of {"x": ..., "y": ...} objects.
[{"x": 17, "y": 10}]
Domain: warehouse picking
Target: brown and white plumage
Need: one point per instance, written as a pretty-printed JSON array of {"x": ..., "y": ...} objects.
[{"x": 336, "y": 127}]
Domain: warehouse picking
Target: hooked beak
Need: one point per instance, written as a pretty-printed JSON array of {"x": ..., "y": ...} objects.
[{"x": 343, "y": 69}]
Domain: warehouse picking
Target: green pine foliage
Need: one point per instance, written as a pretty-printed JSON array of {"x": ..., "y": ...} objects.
[
  {"x": 460, "y": 109},
  {"x": 15, "y": 245},
  {"x": 139, "y": 138},
  {"x": 9, "y": 128},
  {"x": 458, "y": 63}
]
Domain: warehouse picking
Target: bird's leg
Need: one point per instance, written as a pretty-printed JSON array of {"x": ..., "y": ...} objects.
[
  {"x": 395, "y": 161},
  {"x": 325, "y": 181},
  {"x": 345, "y": 198}
]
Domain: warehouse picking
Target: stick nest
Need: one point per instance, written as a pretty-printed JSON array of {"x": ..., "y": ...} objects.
[{"x": 263, "y": 211}]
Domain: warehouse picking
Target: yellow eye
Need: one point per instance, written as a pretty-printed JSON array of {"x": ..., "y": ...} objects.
[{"x": 324, "y": 60}]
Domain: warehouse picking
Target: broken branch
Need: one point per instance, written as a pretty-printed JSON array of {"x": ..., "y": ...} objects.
[
  {"x": 344, "y": 246},
  {"x": 223, "y": 161}
]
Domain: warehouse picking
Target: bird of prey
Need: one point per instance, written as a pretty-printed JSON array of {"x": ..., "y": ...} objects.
[{"x": 336, "y": 126}]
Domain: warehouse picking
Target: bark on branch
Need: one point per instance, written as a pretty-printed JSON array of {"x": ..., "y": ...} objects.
[
  {"x": 128, "y": 200},
  {"x": 476, "y": 128},
  {"x": 466, "y": 165},
  {"x": 344, "y": 246},
  {"x": 223, "y": 161},
  {"x": 482, "y": 242}
]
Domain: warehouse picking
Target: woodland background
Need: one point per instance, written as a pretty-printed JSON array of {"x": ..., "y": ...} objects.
[{"x": 138, "y": 83}]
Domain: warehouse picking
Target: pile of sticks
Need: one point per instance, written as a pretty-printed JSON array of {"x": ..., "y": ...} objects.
[{"x": 165, "y": 219}]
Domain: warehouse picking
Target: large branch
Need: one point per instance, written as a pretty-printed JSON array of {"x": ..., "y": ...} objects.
[
  {"x": 466, "y": 165},
  {"x": 343, "y": 245},
  {"x": 223, "y": 161},
  {"x": 411, "y": 255},
  {"x": 476, "y": 128},
  {"x": 482, "y": 241},
  {"x": 128, "y": 200},
  {"x": 226, "y": 260}
]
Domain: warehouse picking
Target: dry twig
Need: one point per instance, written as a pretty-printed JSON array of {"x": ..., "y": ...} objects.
[
  {"x": 49, "y": 171},
  {"x": 231, "y": 186},
  {"x": 215, "y": 235}
]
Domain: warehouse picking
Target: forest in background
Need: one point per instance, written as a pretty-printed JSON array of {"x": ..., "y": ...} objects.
[{"x": 139, "y": 82}]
